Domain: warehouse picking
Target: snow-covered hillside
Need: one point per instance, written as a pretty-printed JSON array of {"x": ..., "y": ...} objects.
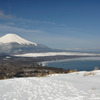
[
  {"x": 74, "y": 86},
  {"x": 13, "y": 38}
]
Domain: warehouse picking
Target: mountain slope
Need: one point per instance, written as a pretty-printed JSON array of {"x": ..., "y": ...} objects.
[
  {"x": 13, "y": 38},
  {"x": 13, "y": 44}
]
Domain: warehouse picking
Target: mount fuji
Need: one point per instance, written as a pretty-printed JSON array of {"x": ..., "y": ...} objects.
[
  {"x": 13, "y": 44},
  {"x": 13, "y": 38}
]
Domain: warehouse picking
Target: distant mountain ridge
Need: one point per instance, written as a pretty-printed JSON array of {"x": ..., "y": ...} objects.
[{"x": 13, "y": 44}]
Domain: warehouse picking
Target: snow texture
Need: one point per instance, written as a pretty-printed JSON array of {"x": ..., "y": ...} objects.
[
  {"x": 55, "y": 54},
  {"x": 13, "y": 38},
  {"x": 73, "y": 86}
]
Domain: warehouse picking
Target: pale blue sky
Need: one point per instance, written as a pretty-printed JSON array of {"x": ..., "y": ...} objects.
[{"x": 55, "y": 23}]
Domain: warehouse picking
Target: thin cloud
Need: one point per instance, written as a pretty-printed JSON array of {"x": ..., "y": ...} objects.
[
  {"x": 9, "y": 29},
  {"x": 14, "y": 19},
  {"x": 4, "y": 16}
]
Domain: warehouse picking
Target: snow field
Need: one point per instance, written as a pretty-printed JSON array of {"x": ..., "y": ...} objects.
[{"x": 73, "y": 86}]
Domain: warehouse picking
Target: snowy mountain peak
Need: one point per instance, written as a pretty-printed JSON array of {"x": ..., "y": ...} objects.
[{"x": 13, "y": 38}]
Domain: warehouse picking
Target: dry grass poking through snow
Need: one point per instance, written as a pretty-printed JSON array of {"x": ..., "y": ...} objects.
[{"x": 88, "y": 73}]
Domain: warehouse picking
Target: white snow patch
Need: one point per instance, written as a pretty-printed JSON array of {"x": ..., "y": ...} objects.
[
  {"x": 13, "y": 38},
  {"x": 73, "y": 86}
]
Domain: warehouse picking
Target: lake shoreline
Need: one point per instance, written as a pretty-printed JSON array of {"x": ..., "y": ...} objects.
[{"x": 84, "y": 60}]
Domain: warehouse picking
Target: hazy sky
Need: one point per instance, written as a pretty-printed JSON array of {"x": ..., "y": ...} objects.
[{"x": 55, "y": 23}]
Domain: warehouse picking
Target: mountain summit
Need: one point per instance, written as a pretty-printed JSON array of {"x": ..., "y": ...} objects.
[
  {"x": 13, "y": 38},
  {"x": 13, "y": 44}
]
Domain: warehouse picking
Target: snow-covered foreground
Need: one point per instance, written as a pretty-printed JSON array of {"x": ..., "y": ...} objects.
[
  {"x": 56, "y": 54},
  {"x": 74, "y": 86}
]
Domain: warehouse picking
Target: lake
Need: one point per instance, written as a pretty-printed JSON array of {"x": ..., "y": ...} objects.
[{"x": 80, "y": 64}]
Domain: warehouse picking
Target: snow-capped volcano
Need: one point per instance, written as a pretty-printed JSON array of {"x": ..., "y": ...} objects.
[
  {"x": 13, "y": 38},
  {"x": 13, "y": 44}
]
